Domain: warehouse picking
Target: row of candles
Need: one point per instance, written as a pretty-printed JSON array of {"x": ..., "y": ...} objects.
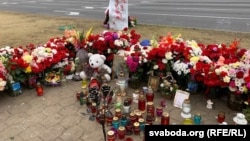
[{"x": 127, "y": 122}]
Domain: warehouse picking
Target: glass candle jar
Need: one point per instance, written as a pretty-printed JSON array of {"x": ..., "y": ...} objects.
[
  {"x": 39, "y": 89},
  {"x": 186, "y": 109},
  {"x": 151, "y": 109},
  {"x": 132, "y": 117},
  {"x": 159, "y": 111},
  {"x": 111, "y": 135},
  {"x": 115, "y": 122},
  {"x": 136, "y": 96},
  {"x": 129, "y": 99},
  {"x": 118, "y": 113},
  {"x": 150, "y": 95},
  {"x": 109, "y": 118},
  {"x": 128, "y": 139},
  {"x": 142, "y": 103},
  {"x": 188, "y": 121},
  {"x": 136, "y": 128},
  {"x": 197, "y": 119},
  {"x": 118, "y": 106},
  {"x": 93, "y": 108},
  {"x": 142, "y": 123},
  {"x": 221, "y": 117},
  {"x": 126, "y": 107},
  {"x": 186, "y": 106},
  {"x": 121, "y": 132},
  {"x": 124, "y": 120},
  {"x": 129, "y": 128},
  {"x": 149, "y": 118},
  {"x": 138, "y": 115},
  {"x": 165, "y": 118},
  {"x": 78, "y": 94}
]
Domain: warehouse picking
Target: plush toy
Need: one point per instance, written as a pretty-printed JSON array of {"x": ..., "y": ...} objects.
[
  {"x": 98, "y": 67},
  {"x": 81, "y": 62}
]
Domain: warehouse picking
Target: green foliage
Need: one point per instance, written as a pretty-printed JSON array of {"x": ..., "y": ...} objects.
[{"x": 246, "y": 112}]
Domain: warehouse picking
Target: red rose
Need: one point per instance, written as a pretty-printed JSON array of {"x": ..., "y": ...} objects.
[{"x": 240, "y": 74}]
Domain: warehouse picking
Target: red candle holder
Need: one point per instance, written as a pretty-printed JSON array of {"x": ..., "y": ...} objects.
[
  {"x": 142, "y": 103},
  {"x": 111, "y": 135},
  {"x": 159, "y": 111},
  {"x": 121, "y": 132},
  {"x": 165, "y": 119},
  {"x": 39, "y": 89},
  {"x": 128, "y": 139},
  {"x": 136, "y": 128},
  {"x": 150, "y": 95},
  {"x": 221, "y": 117},
  {"x": 132, "y": 117},
  {"x": 151, "y": 109}
]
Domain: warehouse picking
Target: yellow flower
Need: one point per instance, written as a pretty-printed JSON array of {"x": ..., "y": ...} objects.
[
  {"x": 194, "y": 59},
  {"x": 28, "y": 69},
  {"x": 27, "y": 58},
  {"x": 192, "y": 43}
]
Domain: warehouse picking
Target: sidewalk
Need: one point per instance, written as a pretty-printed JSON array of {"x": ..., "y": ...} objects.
[{"x": 56, "y": 116}]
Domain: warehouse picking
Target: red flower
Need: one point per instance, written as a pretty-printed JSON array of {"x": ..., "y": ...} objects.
[{"x": 240, "y": 74}]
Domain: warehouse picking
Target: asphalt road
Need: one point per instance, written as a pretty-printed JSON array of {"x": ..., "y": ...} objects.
[{"x": 228, "y": 15}]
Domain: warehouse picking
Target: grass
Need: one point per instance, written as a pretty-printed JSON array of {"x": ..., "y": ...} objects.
[{"x": 20, "y": 29}]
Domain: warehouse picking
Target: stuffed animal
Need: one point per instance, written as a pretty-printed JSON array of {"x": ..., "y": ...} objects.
[
  {"x": 81, "y": 62},
  {"x": 99, "y": 69}
]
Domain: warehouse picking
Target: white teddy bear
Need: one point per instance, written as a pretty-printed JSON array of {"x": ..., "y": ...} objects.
[{"x": 98, "y": 67}]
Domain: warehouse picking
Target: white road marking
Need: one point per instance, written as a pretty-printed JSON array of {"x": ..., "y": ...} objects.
[
  {"x": 88, "y": 7},
  {"x": 73, "y": 13},
  {"x": 9, "y": 3},
  {"x": 59, "y": 11},
  {"x": 32, "y": 6},
  {"x": 194, "y": 16}
]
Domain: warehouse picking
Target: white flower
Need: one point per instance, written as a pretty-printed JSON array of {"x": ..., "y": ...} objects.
[
  {"x": 226, "y": 79},
  {"x": 165, "y": 61},
  {"x": 162, "y": 85},
  {"x": 169, "y": 55},
  {"x": 155, "y": 67}
]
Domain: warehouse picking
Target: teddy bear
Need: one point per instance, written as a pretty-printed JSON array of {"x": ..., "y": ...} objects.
[
  {"x": 81, "y": 62},
  {"x": 96, "y": 68}
]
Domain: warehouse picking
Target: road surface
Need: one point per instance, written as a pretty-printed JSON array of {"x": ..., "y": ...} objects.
[{"x": 228, "y": 15}]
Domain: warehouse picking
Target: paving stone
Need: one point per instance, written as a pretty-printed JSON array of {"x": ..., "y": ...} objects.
[
  {"x": 32, "y": 132},
  {"x": 35, "y": 139},
  {"x": 52, "y": 100},
  {"x": 4, "y": 115},
  {"x": 51, "y": 110},
  {"x": 51, "y": 133},
  {"x": 68, "y": 101},
  {"x": 2, "y": 126},
  {"x": 70, "y": 121},
  {"x": 16, "y": 119},
  {"x": 11, "y": 131},
  {"x": 68, "y": 110},
  {"x": 52, "y": 120},
  {"x": 18, "y": 108},
  {"x": 72, "y": 133}
]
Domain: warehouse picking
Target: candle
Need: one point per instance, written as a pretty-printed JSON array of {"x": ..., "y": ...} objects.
[
  {"x": 115, "y": 122},
  {"x": 39, "y": 89},
  {"x": 165, "y": 119},
  {"x": 111, "y": 135},
  {"x": 197, "y": 119},
  {"x": 221, "y": 117},
  {"x": 136, "y": 128},
  {"x": 121, "y": 132},
  {"x": 159, "y": 111},
  {"x": 150, "y": 95}
]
